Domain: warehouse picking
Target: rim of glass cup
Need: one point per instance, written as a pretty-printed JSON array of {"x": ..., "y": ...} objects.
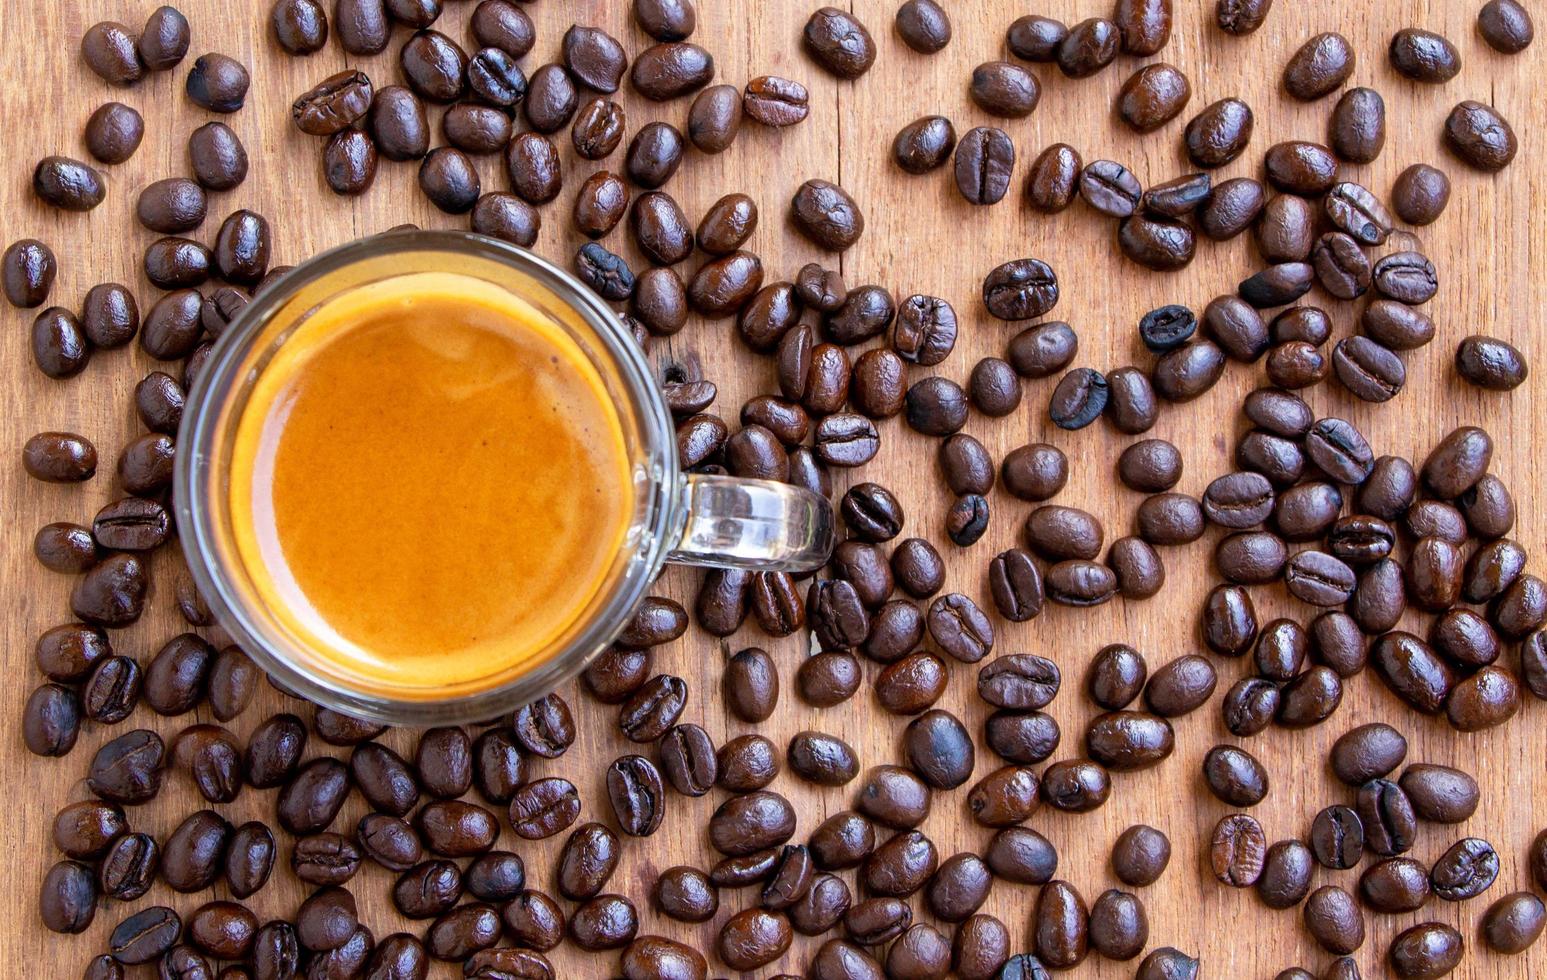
[{"x": 201, "y": 429}]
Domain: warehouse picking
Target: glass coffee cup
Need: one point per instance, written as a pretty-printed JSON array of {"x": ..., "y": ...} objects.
[{"x": 666, "y": 515}]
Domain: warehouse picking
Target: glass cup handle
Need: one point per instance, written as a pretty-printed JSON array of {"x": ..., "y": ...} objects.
[{"x": 760, "y": 525}]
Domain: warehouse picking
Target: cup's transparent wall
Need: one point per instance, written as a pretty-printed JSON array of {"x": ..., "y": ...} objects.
[{"x": 695, "y": 519}]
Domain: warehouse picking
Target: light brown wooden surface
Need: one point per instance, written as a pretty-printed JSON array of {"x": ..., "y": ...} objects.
[{"x": 920, "y": 237}]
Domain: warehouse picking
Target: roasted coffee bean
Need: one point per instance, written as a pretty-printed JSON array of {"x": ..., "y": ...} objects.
[
  {"x": 1423, "y": 56},
  {"x": 111, "y": 593},
  {"x": 67, "y": 184},
  {"x": 939, "y": 749},
  {"x": 1189, "y": 371},
  {"x": 604, "y": 922},
  {"x": 924, "y": 144},
  {"x": 1235, "y": 776},
  {"x": 872, "y": 922},
  {"x": 1177, "y": 198},
  {"x": 1005, "y": 797},
  {"x": 828, "y": 679},
  {"x": 1319, "y": 578},
  {"x": 1296, "y": 364},
  {"x": 959, "y": 628},
  {"x": 923, "y": 26},
  {"x": 1310, "y": 698},
  {"x": 1238, "y": 500},
  {"x": 1253, "y": 558},
  {"x": 1022, "y": 856},
  {"x": 1042, "y": 350},
  {"x": 1002, "y": 88},
  {"x": 145, "y": 465},
  {"x": 476, "y": 128},
  {"x": 1490, "y": 364},
  {"x": 65, "y": 547},
  {"x": 1219, "y": 133},
  {"x": 1407, "y": 277},
  {"x": 669, "y": 70},
  {"x": 1467, "y": 869},
  {"x": 1395, "y": 885},
  {"x": 536, "y": 174},
  {"x": 1140, "y": 855},
  {"x": 1180, "y": 687},
  {"x": 839, "y": 43},
  {"x": 822, "y": 759},
  {"x": 193, "y": 854},
  {"x": 1241, "y": 17},
  {"x": 918, "y": 570},
  {"x": 1514, "y": 923},
  {"x": 1119, "y": 926},
  {"x": 1157, "y": 244},
  {"x": 1249, "y": 706},
  {"x": 1229, "y": 621},
  {"x": 1035, "y": 38},
  {"x": 1357, "y": 131},
  {"x": 1150, "y": 465},
  {"x": 1026, "y": 737},
  {"x": 301, "y": 26},
  {"x": 164, "y": 40},
  {"x": 685, "y": 894},
  {"x": 1090, "y": 46},
  {"x": 389, "y": 841},
  {"x": 822, "y": 907},
  {"x": 29, "y": 268},
  {"x": 1488, "y": 698},
  {"x": 1387, "y": 817},
  {"x": 1016, "y": 585},
  {"x": 382, "y": 776},
  {"x": 1170, "y": 519},
  {"x": 1465, "y": 638},
  {"x": 1060, "y": 925},
  {"x": 1077, "y": 786},
  {"x": 1334, "y": 920},
  {"x": 218, "y": 83},
  {"x": 1035, "y": 472},
  {"x": 866, "y": 312},
  {"x": 911, "y": 685},
  {"x": 753, "y": 937},
  {"x": 1286, "y": 874},
  {"x": 313, "y": 796},
  {"x": 113, "y": 133},
  {"x": 588, "y": 859},
  {"x": 543, "y": 808},
  {"x": 1491, "y": 570},
  {"x": 1319, "y": 67},
  {"x": 1238, "y": 850},
  {"x": 145, "y": 935},
  {"x": 1341, "y": 268},
  {"x": 1488, "y": 507},
  {"x": 51, "y": 722},
  {"x": 108, "y": 48},
  {"x": 983, "y": 162},
  {"x": 1116, "y": 677},
  {"x": 1124, "y": 741},
  {"x": 1053, "y": 180},
  {"x": 1236, "y": 327},
  {"x": 1059, "y": 533},
  {"x": 1153, "y": 96},
  {"x": 1079, "y": 398},
  {"x": 1231, "y": 207},
  {"x": 426, "y": 890},
  {"x": 1110, "y": 188},
  {"x": 826, "y": 214},
  {"x": 1167, "y": 328}
]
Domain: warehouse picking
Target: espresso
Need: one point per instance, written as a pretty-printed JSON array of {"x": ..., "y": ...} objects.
[{"x": 430, "y": 484}]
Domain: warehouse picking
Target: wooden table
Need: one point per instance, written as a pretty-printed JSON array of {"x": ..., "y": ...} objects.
[{"x": 920, "y": 237}]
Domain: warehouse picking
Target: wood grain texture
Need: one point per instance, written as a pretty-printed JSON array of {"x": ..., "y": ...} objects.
[{"x": 920, "y": 237}]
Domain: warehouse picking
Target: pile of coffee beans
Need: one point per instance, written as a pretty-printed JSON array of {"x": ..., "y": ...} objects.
[{"x": 1359, "y": 540}]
